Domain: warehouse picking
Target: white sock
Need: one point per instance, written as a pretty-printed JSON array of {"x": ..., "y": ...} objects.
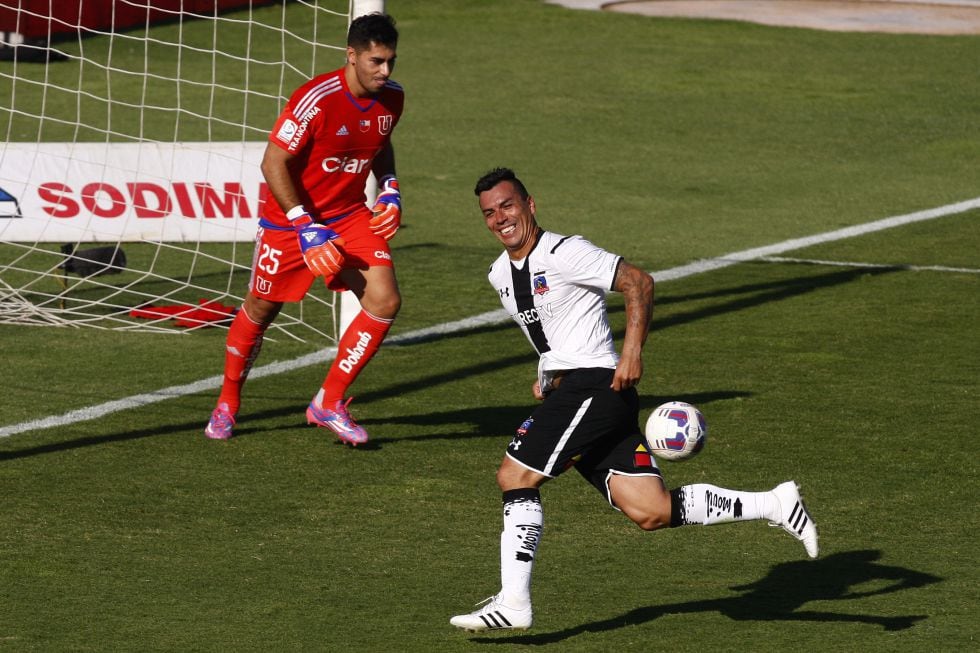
[
  {"x": 706, "y": 504},
  {"x": 523, "y": 521}
]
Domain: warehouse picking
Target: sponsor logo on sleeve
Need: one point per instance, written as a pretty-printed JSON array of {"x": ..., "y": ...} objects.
[
  {"x": 287, "y": 131},
  {"x": 303, "y": 126}
]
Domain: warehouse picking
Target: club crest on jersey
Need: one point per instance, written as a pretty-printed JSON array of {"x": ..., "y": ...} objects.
[
  {"x": 365, "y": 124},
  {"x": 540, "y": 285},
  {"x": 384, "y": 124}
]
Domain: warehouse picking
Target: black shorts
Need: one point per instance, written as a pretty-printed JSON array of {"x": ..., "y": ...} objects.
[{"x": 586, "y": 424}]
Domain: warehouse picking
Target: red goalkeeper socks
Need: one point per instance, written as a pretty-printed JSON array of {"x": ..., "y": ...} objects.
[
  {"x": 241, "y": 349},
  {"x": 357, "y": 346}
]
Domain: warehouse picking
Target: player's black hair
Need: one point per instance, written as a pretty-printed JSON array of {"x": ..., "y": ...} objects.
[
  {"x": 376, "y": 28},
  {"x": 497, "y": 175}
]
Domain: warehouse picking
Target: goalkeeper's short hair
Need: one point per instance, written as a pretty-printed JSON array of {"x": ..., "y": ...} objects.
[{"x": 376, "y": 28}]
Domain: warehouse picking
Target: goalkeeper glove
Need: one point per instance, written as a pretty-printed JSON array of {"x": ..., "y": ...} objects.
[
  {"x": 387, "y": 209},
  {"x": 319, "y": 246}
]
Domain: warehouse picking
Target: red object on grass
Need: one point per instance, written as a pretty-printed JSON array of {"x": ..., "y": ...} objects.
[{"x": 206, "y": 313}]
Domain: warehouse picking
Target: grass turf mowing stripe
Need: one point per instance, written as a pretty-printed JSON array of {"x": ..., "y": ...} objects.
[{"x": 484, "y": 319}]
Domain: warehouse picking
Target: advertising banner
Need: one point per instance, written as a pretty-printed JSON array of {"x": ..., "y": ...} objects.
[
  {"x": 41, "y": 19},
  {"x": 110, "y": 192}
]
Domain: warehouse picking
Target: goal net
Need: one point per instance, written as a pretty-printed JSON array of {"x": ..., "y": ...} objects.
[{"x": 132, "y": 133}]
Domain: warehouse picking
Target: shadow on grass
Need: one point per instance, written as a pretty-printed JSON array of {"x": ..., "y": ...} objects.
[
  {"x": 745, "y": 296},
  {"x": 756, "y": 294},
  {"x": 484, "y": 422},
  {"x": 197, "y": 426},
  {"x": 779, "y": 596},
  {"x": 504, "y": 420},
  {"x": 759, "y": 293},
  {"x": 498, "y": 420}
]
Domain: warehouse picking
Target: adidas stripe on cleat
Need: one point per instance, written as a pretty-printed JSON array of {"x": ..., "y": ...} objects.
[
  {"x": 794, "y": 518},
  {"x": 494, "y": 616},
  {"x": 338, "y": 420}
]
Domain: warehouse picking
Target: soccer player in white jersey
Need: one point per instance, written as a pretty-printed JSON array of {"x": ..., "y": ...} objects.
[{"x": 554, "y": 287}]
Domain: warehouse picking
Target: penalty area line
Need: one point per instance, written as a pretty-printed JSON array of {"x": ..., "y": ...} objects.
[{"x": 482, "y": 320}]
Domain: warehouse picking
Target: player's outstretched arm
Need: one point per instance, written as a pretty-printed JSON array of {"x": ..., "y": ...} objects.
[{"x": 637, "y": 288}]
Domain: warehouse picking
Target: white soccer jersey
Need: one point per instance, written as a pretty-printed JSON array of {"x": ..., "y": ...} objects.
[{"x": 557, "y": 295}]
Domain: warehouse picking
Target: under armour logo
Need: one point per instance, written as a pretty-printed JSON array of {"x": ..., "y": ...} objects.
[{"x": 504, "y": 292}]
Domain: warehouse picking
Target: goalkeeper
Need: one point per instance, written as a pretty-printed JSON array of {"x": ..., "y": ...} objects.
[
  {"x": 554, "y": 287},
  {"x": 334, "y": 132}
]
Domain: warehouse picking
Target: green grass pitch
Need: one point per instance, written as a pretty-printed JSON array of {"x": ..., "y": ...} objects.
[{"x": 667, "y": 141}]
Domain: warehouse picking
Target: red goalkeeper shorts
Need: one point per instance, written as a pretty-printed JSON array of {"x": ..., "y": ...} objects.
[{"x": 279, "y": 273}]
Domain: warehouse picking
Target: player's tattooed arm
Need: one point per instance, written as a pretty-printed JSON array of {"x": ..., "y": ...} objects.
[{"x": 637, "y": 288}]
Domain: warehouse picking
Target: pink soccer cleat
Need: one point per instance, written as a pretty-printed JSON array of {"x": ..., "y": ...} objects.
[
  {"x": 221, "y": 423},
  {"x": 338, "y": 420}
]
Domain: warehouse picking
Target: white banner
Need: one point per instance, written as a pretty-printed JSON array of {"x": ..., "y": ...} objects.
[{"x": 109, "y": 192}]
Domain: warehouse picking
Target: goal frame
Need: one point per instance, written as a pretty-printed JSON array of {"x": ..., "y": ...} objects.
[{"x": 103, "y": 255}]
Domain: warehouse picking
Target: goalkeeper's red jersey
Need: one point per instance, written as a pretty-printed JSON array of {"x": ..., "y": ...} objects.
[{"x": 337, "y": 136}]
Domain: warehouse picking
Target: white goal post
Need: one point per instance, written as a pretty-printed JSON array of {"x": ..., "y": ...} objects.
[{"x": 130, "y": 187}]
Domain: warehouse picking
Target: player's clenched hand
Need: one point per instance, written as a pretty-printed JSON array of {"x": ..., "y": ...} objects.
[
  {"x": 319, "y": 246},
  {"x": 387, "y": 209},
  {"x": 628, "y": 373}
]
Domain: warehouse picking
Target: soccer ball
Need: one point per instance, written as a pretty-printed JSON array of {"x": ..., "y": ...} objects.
[{"x": 676, "y": 431}]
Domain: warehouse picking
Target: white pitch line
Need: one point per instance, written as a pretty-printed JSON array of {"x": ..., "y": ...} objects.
[
  {"x": 876, "y": 266},
  {"x": 826, "y": 237},
  {"x": 484, "y": 319}
]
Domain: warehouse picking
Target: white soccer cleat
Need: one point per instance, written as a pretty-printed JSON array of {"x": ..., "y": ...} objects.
[
  {"x": 494, "y": 616},
  {"x": 794, "y": 518}
]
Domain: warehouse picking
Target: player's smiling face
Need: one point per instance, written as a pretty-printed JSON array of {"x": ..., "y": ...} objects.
[
  {"x": 369, "y": 70},
  {"x": 510, "y": 218}
]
